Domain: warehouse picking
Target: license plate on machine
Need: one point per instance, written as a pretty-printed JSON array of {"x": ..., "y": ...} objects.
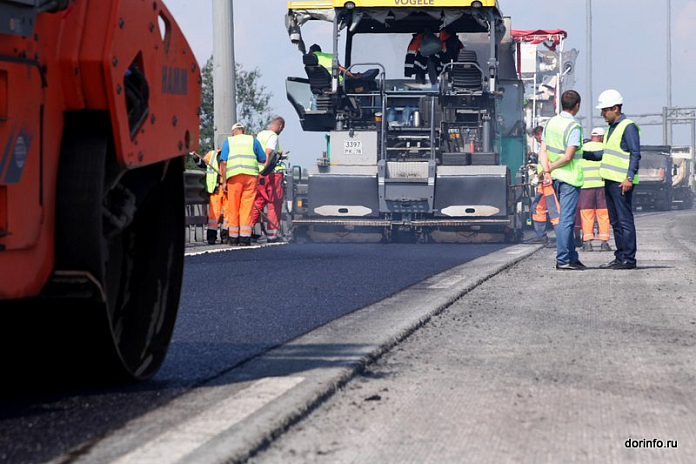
[{"x": 352, "y": 147}]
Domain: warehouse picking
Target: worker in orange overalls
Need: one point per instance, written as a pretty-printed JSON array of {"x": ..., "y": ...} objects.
[
  {"x": 270, "y": 187},
  {"x": 239, "y": 162},
  {"x": 217, "y": 199},
  {"x": 592, "y": 203},
  {"x": 545, "y": 204}
]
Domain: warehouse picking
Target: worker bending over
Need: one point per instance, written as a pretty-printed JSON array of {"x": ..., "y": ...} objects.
[
  {"x": 545, "y": 204},
  {"x": 239, "y": 161},
  {"x": 270, "y": 187},
  {"x": 217, "y": 200}
]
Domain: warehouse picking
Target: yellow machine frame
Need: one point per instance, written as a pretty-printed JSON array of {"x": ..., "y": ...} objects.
[{"x": 390, "y": 3}]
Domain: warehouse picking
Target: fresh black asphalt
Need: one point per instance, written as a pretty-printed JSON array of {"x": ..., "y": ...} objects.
[{"x": 234, "y": 306}]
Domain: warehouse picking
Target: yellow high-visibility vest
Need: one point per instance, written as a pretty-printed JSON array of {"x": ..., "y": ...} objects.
[
  {"x": 263, "y": 137},
  {"x": 615, "y": 161},
  {"x": 556, "y": 135},
  {"x": 211, "y": 172},
  {"x": 326, "y": 60},
  {"x": 242, "y": 159},
  {"x": 591, "y": 168}
]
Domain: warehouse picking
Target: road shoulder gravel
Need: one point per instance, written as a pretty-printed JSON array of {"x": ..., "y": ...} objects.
[{"x": 533, "y": 365}]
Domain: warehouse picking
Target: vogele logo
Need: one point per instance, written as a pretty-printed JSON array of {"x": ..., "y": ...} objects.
[{"x": 415, "y": 2}]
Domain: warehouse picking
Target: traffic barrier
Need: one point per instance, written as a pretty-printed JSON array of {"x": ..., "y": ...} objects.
[{"x": 196, "y": 193}]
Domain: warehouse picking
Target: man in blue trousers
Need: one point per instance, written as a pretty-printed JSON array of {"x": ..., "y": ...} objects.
[{"x": 561, "y": 159}]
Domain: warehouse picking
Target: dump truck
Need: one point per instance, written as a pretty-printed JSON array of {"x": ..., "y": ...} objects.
[
  {"x": 654, "y": 190},
  {"x": 427, "y": 141},
  {"x": 99, "y": 104},
  {"x": 683, "y": 176}
]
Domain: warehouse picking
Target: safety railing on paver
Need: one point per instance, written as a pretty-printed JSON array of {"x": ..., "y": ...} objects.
[{"x": 196, "y": 205}]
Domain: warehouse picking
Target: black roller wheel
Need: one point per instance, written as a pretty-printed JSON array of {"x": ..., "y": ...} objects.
[{"x": 124, "y": 231}]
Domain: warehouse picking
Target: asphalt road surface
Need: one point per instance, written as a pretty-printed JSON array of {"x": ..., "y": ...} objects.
[{"x": 234, "y": 306}]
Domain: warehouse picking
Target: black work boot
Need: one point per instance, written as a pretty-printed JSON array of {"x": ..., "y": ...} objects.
[
  {"x": 244, "y": 241},
  {"x": 234, "y": 241},
  {"x": 224, "y": 235},
  {"x": 211, "y": 235}
]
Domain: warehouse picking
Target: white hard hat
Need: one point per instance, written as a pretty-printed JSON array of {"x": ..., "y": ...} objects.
[
  {"x": 609, "y": 98},
  {"x": 597, "y": 131}
]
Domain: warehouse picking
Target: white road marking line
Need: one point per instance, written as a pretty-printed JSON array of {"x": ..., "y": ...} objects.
[
  {"x": 222, "y": 250},
  {"x": 180, "y": 441},
  {"x": 231, "y": 248}
]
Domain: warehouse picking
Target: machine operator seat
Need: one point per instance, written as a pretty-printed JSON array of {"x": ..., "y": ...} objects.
[
  {"x": 320, "y": 85},
  {"x": 319, "y": 76},
  {"x": 466, "y": 76}
]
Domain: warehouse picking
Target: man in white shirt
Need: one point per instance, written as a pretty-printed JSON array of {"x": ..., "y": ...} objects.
[{"x": 270, "y": 187}]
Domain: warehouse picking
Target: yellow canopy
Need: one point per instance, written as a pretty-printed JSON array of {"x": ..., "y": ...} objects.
[{"x": 390, "y": 3}]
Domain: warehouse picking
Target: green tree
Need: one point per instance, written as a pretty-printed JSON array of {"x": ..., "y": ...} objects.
[
  {"x": 253, "y": 103},
  {"x": 253, "y": 100},
  {"x": 207, "y": 137}
]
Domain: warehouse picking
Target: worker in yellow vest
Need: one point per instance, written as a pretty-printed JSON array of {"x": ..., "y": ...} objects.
[
  {"x": 217, "y": 199},
  {"x": 270, "y": 187},
  {"x": 619, "y": 169},
  {"x": 325, "y": 60},
  {"x": 239, "y": 163},
  {"x": 592, "y": 203},
  {"x": 561, "y": 158}
]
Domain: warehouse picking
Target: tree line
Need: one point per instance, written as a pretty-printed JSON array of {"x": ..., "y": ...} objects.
[{"x": 253, "y": 105}]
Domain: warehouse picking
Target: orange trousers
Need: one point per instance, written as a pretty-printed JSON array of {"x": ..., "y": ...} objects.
[
  {"x": 546, "y": 201},
  {"x": 587, "y": 217},
  {"x": 592, "y": 205},
  {"x": 216, "y": 206},
  {"x": 241, "y": 193}
]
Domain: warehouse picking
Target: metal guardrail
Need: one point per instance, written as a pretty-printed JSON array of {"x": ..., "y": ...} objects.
[{"x": 196, "y": 205}]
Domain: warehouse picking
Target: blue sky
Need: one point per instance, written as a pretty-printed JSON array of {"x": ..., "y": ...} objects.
[{"x": 629, "y": 52}]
